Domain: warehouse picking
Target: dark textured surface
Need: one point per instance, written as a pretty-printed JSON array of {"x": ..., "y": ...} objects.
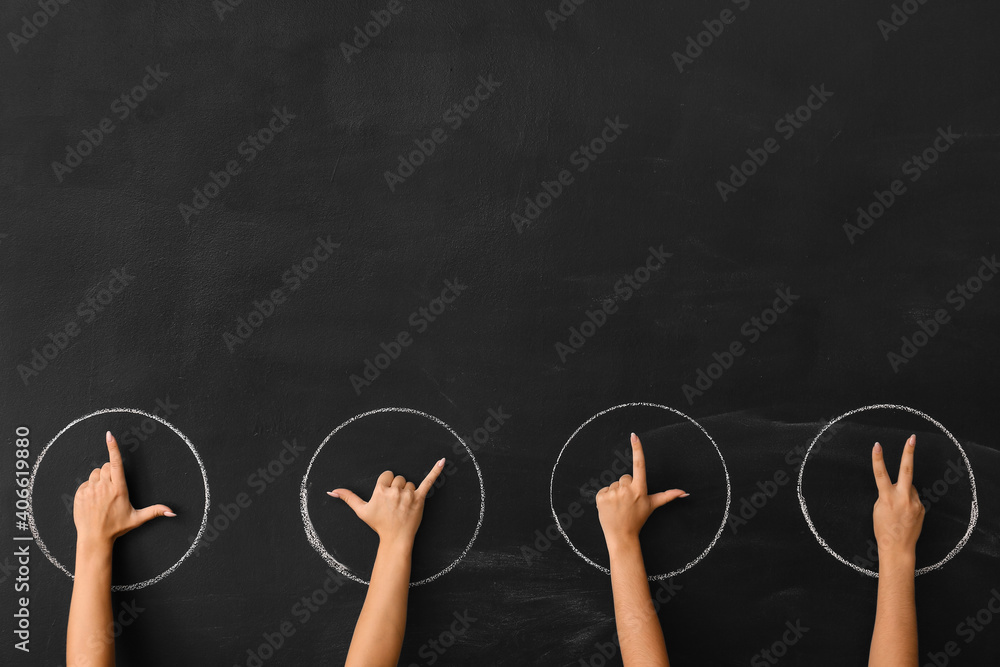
[{"x": 168, "y": 335}]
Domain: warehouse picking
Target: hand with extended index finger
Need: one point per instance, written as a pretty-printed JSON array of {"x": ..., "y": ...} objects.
[
  {"x": 102, "y": 511},
  {"x": 624, "y": 506},
  {"x": 898, "y": 514},
  {"x": 396, "y": 506}
]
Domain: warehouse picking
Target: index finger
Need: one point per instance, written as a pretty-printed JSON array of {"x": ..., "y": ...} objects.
[
  {"x": 638, "y": 463},
  {"x": 425, "y": 486},
  {"x": 906, "y": 464},
  {"x": 881, "y": 474},
  {"x": 115, "y": 458}
]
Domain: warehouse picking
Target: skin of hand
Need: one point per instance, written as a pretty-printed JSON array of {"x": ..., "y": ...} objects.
[
  {"x": 898, "y": 515},
  {"x": 102, "y": 513},
  {"x": 394, "y": 513},
  {"x": 623, "y": 508},
  {"x": 897, "y": 518}
]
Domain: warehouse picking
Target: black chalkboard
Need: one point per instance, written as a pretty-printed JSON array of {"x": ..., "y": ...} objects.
[{"x": 236, "y": 232}]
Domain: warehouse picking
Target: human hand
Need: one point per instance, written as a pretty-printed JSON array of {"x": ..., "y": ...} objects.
[
  {"x": 102, "y": 511},
  {"x": 898, "y": 514},
  {"x": 396, "y": 506},
  {"x": 624, "y": 506}
]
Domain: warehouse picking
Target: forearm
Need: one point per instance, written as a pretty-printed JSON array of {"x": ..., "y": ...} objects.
[
  {"x": 378, "y": 636},
  {"x": 894, "y": 640},
  {"x": 89, "y": 638},
  {"x": 639, "y": 630}
]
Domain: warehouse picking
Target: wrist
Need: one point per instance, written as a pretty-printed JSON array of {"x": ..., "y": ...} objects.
[
  {"x": 622, "y": 544},
  {"x": 93, "y": 549},
  {"x": 396, "y": 543},
  {"x": 897, "y": 558},
  {"x": 94, "y": 543}
]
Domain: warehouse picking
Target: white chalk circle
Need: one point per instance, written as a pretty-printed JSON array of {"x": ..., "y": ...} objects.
[
  {"x": 313, "y": 536},
  {"x": 654, "y": 577},
  {"x": 973, "y": 514},
  {"x": 31, "y": 498}
]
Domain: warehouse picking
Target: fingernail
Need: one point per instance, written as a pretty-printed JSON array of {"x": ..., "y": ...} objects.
[
  {"x": 878, "y": 448},
  {"x": 169, "y": 514},
  {"x": 685, "y": 495},
  {"x": 107, "y": 436},
  {"x": 912, "y": 439},
  {"x": 333, "y": 494},
  {"x": 440, "y": 463}
]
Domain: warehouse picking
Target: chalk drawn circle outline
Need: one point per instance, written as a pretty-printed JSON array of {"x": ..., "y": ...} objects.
[
  {"x": 725, "y": 515},
  {"x": 313, "y": 537},
  {"x": 973, "y": 513},
  {"x": 31, "y": 498}
]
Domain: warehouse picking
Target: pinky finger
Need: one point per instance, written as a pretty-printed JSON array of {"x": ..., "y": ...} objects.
[{"x": 425, "y": 486}]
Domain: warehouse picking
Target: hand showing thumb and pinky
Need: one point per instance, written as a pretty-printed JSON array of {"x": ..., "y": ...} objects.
[{"x": 396, "y": 505}]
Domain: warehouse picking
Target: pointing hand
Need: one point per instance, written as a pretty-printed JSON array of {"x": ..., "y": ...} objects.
[
  {"x": 102, "y": 511},
  {"x": 624, "y": 506}
]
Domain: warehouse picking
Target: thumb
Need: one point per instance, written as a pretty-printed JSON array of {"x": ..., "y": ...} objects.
[
  {"x": 662, "y": 498},
  {"x": 352, "y": 499},
  {"x": 145, "y": 514}
]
